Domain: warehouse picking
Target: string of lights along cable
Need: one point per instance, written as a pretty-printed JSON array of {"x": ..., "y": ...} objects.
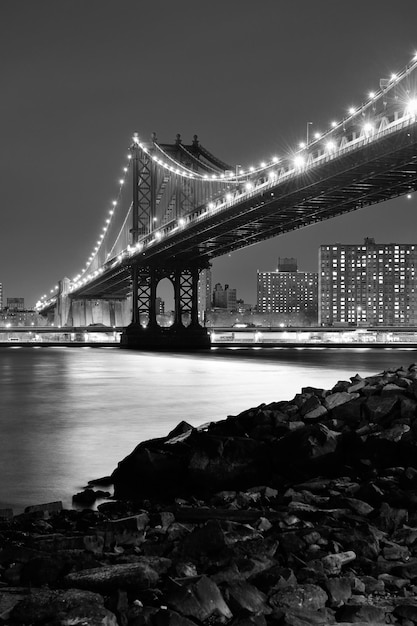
[{"x": 241, "y": 183}]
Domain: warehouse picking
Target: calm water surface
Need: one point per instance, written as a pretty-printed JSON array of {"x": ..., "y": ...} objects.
[{"x": 68, "y": 415}]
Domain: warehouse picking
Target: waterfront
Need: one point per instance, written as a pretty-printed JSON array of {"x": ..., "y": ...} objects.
[{"x": 68, "y": 415}]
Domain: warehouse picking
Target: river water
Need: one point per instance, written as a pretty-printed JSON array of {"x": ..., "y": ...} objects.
[{"x": 68, "y": 415}]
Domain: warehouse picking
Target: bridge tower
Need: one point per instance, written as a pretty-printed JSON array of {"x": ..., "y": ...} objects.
[{"x": 161, "y": 197}]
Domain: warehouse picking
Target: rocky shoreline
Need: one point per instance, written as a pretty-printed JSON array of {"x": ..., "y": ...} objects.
[{"x": 293, "y": 513}]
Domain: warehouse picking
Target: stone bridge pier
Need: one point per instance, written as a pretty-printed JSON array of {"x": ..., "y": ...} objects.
[{"x": 70, "y": 311}]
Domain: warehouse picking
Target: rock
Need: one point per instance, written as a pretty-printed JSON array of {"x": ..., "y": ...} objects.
[
  {"x": 9, "y": 598},
  {"x": 242, "y": 596},
  {"x": 408, "y": 610},
  {"x": 361, "y": 613},
  {"x": 207, "y": 540},
  {"x": 311, "y": 597},
  {"x": 338, "y": 398},
  {"x": 129, "y": 576},
  {"x": 199, "y": 600},
  {"x": 50, "y": 508},
  {"x": 63, "y": 607},
  {"x": 6, "y": 514},
  {"x": 304, "y": 617},
  {"x": 166, "y": 617},
  {"x": 89, "y": 496},
  {"x": 339, "y": 590},
  {"x": 333, "y": 563}
]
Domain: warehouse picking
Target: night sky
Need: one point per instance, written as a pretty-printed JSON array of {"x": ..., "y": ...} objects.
[{"x": 78, "y": 77}]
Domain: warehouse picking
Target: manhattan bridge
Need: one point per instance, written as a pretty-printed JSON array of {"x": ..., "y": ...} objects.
[{"x": 179, "y": 206}]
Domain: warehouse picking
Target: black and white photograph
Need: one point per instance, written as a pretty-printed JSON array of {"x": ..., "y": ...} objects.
[{"x": 208, "y": 312}]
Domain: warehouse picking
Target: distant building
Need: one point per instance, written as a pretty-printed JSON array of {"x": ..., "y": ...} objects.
[
  {"x": 243, "y": 307},
  {"x": 159, "y": 306},
  {"x": 204, "y": 294},
  {"x": 224, "y": 298},
  {"x": 16, "y": 304},
  {"x": 289, "y": 292},
  {"x": 1, "y": 296},
  {"x": 370, "y": 284},
  {"x": 287, "y": 264},
  {"x": 16, "y": 317}
]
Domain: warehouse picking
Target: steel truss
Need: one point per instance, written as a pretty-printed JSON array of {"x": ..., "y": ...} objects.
[{"x": 185, "y": 283}]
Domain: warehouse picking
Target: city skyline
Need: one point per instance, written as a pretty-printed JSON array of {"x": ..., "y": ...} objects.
[{"x": 78, "y": 84}]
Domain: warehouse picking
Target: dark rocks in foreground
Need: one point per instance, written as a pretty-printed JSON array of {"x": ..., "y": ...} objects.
[{"x": 293, "y": 513}]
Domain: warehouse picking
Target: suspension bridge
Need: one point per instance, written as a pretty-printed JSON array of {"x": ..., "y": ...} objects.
[{"x": 185, "y": 207}]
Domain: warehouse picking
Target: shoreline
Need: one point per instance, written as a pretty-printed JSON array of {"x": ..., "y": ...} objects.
[
  {"x": 301, "y": 511},
  {"x": 223, "y": 344}
]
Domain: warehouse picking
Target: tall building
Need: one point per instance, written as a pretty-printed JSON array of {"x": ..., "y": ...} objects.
[
  {"x": 289, "y": 292},
  {"x": 370, "y": 284},
  {"x": 204, "y": 293},
  {"x": 159, "y": 306},
  {"x": 224, "y": 298},
  {"x": 16, "y": 304}
]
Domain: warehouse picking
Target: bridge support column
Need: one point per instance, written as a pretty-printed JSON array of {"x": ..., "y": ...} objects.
[{"x": 144, "y": 333}]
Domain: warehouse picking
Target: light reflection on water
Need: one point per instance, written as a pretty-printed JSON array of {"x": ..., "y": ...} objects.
[{"x": 69, "y": 415}]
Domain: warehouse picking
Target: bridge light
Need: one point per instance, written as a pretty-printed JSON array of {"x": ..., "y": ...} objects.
[
  {"x": 114, "y": 202},
  {"x": 409, "y": 196},
  {"x": 121, "y": 181},
  {"x": 181, "y": 221},
  {"x": 368, "y": 128},
  {"x": 249, "y": 186},
  {"x": 125, "y": 169},
  {"x": 333, "y": 124},
  {"x": 352, "y": 110},
  {"x": 229, "y": 197},
  {"x": 129, "y": 156},
  {"x": 372, "y": 94},
  {"x": 263, "y": 164},
  {"x": 272, "y": 175},
  {"x": 412, "y": 107},
  {"x": 299, "y": 161},
  {"x": 251, "y": 169},
  {"x": 330, "y": 146},
  {"x": 302, "y": 144},
  {"x": 317, "y": 135},
  {"x": 393, "y": 77},
  {"x": 111, "y": 212},
  {"x": 107, "y": 221},
  {"x": 211, "y": 205},
  {"x": 275, "y": 159}
]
